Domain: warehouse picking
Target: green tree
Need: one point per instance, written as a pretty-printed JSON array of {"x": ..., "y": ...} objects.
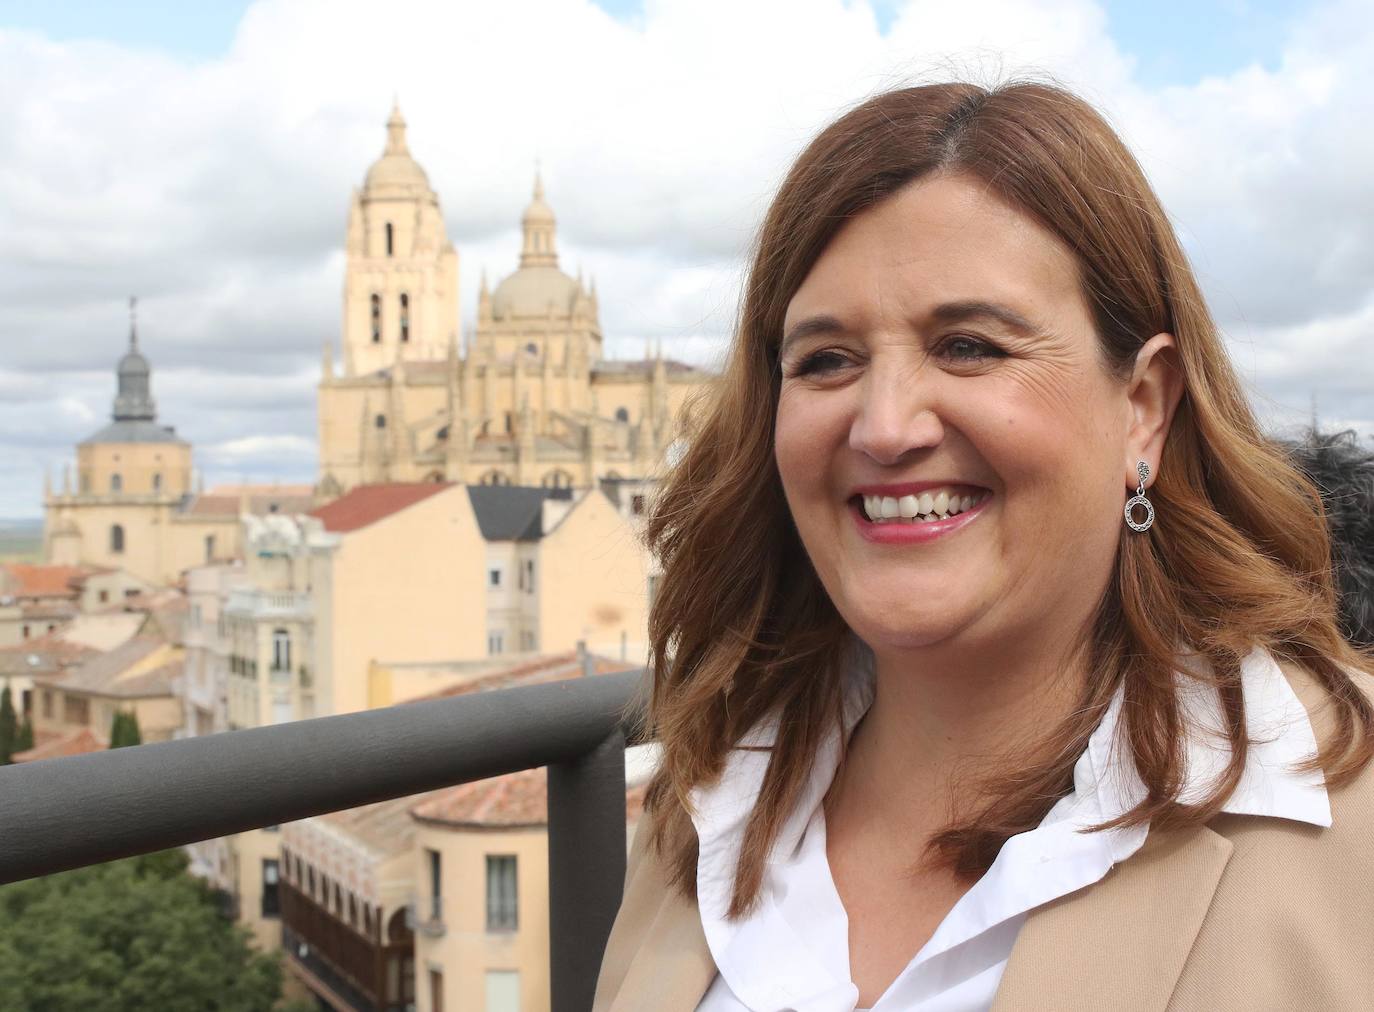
[
  {"x": 124, "y": 731},
  {"x": 23, "y": 738},
  {"x": 9, "y": 725},
  {"x": 130, "y": 935}
]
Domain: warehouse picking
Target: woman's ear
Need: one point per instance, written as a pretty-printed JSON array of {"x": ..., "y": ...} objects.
[{"x": 1152, "y": 394}]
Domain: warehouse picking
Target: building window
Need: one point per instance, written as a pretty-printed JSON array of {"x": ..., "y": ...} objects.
[
  {"x": 436, "y": 990},
  {"x": 281, "y": 650},
  {"x": 157, "y": 481},
  {"x": 380, "y": 421},
  {"x": 494, "y": 577},
  {"x": 209, "y": 548},
  {"x": 557, "y": 479},
  {"x": 503, "y": 991},
  {"x": 502, "y": 898},
  {"x": 493, "y": 478},
  {"x": 510, "y": 424},
  {"x": 531, "y": 348},
  {"x": 405, "y": 317},
  {"x": 117, "y": 539},
  {"x": 529, "y": 576},
  {"x": 24, "y": 633},
  {"x": 85, "y": 481},
  {"x": 496, "y": 642},
  {"x": 103, "y": 597},
  {"x": 390, "y": 239},
  {"x": 376, "y": 319},
  {"x": 47, "y": 704},
  {"x": 622, "y": 414},
  {"x": 116, "y": 482},
  {"x": 271, "y": 900},
  {"x": 434, "y": 860}
]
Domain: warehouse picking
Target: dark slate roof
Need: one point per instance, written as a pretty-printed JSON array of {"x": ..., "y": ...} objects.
[
  {"x": 511, "y": 512},
  {"x": 135, "y": 431}
]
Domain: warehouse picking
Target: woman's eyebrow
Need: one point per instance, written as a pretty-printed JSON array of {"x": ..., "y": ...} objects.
[
  {"x": 956, "y": 312},
  {"x": 822, "y": 323}
]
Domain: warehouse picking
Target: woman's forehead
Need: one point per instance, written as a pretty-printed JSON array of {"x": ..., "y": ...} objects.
[{"x": 935, "y": 242}]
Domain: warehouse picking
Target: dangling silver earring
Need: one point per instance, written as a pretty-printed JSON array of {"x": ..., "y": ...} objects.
[{"x": 1143, "y": 470}]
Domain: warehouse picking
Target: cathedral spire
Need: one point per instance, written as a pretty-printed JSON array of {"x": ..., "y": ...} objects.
[
  {"x": 134, "y": 399},
  {"x": 538, "y": 226},
  {"x": 396, "y": 131}
]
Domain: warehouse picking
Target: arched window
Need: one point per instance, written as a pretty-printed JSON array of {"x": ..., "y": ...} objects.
[
  {"x": 390, "y": 239},
  {"x": 557, "y": 479},
  {"x": 116, "y": 482},
  {"x": 622, "y": 414},
  {"x": 117, "y": 538},
  {"x": 157, "y": 481},
  {"x": 405, "y": 317},
  {"x": 381, "y": 421},
  {"x": 376, "y": 319},
  {"x": 532, "y": 348},
  {"x": 493, "y": 478}
]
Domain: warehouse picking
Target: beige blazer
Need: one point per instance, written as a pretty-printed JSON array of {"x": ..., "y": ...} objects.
[{"x": 1247, "y": 912}]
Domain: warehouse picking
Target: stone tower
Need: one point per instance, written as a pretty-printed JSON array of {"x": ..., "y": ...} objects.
[{"x": 401, "y": 280}]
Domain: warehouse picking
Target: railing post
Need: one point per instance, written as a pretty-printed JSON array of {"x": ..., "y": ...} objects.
[{"x": 586, "y": 868}]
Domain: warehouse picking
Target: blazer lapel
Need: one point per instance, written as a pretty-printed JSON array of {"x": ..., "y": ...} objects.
[
  {"x": 1122, "y": 942},
  {"x": 672, "y": 967}
]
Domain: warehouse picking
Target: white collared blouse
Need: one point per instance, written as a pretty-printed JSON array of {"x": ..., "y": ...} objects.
[{"x": 792, "y": 952}]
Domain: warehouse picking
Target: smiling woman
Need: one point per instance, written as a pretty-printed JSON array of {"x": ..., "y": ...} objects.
[{"x": 981, "y": 581}]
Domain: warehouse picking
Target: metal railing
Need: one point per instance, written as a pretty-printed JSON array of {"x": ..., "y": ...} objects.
[{"x": 70, "y": 812}]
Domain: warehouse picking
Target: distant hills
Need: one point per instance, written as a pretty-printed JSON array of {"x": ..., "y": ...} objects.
[{"x": 21, "y": 539}]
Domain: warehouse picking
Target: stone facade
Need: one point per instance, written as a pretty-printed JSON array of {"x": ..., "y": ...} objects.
[{"x": 528, "y": 399}]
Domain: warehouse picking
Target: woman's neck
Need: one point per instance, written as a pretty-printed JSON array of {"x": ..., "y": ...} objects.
[{"x": 945, "y": 718}]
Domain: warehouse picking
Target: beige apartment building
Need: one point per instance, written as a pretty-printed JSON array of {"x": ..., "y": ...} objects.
[
  {"x": 529, "y": 399},
  {"x": 438, "y": 901}
]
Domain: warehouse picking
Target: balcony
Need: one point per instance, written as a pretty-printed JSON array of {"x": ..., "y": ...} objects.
[
  {"x": 81, "y": 810},
  {"x": 248, "y": 602},
  {"x": 426, "y": 917}
]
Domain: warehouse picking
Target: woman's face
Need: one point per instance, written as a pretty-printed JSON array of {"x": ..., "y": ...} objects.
[{"x": 939, "y": 363}]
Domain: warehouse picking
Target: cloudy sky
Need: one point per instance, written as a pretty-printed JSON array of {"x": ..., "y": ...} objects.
[{"x": 201, "y": 156}]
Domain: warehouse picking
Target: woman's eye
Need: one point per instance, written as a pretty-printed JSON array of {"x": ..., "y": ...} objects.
[
  {"x": 969, "y": 349},
  {"x": 820, "y": 362}
]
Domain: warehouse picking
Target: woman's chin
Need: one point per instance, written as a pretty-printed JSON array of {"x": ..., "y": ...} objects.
[{"x": 907, "y": 629}]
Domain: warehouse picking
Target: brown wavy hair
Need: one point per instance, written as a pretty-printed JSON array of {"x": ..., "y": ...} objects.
[{"x": 1239, "y": 556}]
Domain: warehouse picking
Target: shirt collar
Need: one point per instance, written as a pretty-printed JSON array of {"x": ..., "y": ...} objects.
[{"x": 1106, "y": 784}]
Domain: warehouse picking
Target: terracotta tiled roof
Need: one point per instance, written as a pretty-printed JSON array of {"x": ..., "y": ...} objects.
[
  {"x": 99, "y": 672},
  {"x": 532, "y": 671},
  {"x": 28, "y": 580},
  {"x": 367, "y": 504},
  {"x": 77, "y": 742},
  {"x": 42, "y": 656},
  {"x": 516, "y": 799},
  {"x": 228, "y": 500}
]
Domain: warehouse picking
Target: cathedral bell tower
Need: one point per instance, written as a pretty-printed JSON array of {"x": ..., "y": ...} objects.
[{"x": 401, "y": 279}]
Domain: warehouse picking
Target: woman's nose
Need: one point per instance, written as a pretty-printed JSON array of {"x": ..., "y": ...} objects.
[{"x": 895, "y": 417}]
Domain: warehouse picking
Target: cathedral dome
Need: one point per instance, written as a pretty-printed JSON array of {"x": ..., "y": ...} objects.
[
  {"x": 396, "y": 169},
  {"x": 538, "y": 284},
  {"x": 530, "y": 291}
]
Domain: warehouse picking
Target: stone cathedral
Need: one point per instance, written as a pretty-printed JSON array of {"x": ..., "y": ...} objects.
[{"x": 528, "y": 399}]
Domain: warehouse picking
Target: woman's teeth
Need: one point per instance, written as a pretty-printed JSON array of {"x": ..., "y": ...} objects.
[{"x": 933, "y": 504}]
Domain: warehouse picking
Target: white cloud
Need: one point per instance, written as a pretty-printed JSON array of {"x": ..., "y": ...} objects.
[{"x": 218, "y": 190}]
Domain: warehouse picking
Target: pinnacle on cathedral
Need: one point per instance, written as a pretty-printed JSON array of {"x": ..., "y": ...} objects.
[
  {"x": 396, "y": 169},
  {"x": 134, "y": 417},
  {"x": 134, "y": 400}
]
